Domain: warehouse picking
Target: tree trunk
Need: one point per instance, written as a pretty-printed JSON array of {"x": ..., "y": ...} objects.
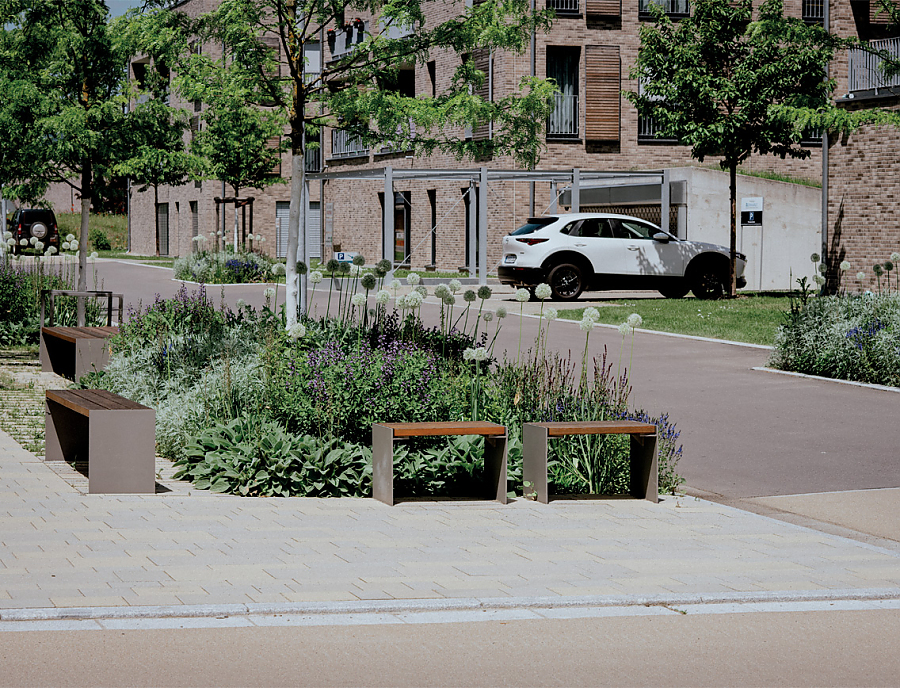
[
  {"x": 732, "y": 189},
  {"x": 86, "y": 184},
  {"x": 237, "y": 193}
]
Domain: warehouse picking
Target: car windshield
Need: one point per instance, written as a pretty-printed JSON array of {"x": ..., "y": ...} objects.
[{"x": 534, "y": 224}]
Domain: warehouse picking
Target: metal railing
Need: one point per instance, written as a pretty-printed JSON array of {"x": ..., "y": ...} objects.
[
  {"x": 313, "y": 159},
  {"x": 676, "y": 7},
  {"x": 344, "y": 41},
  {"x": 394, "y": 31},
  {"x": 567, "y": 6},
  {"x": 647, "y": 130},
  {"x": 344, "y": 144},
  {"x": 865, "y": 70},
  {"x": 814, "y": 11},
  {"x": 563, "y": 121}
]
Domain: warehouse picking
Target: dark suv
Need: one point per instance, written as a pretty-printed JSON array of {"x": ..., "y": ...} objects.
[{"x": 39, "y": 223}]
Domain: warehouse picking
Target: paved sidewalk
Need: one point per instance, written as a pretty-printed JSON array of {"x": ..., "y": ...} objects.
[{"x": 60, "y": 548}]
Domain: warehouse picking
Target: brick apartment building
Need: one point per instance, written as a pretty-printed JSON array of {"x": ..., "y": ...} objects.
[
  {"x": 589, "y": 52},
  {"x": 864, "y": 167}
]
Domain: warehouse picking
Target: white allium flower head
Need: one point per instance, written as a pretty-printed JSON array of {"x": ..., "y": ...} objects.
[
  {"x": 634, "y": 320},
  {"x": 315, "y": 277},
  {"x": 23, "y": 242},
  {"x": 414, "y": 299},
  {"x": 10, "y": 242},
  {"x": 488, "y": 316},
  {"x": 33, "y": 240},
  {"x": 543, "y": 291},
  {"x": 278, "y": 269},
  {"x": 240, "y": 304},
  {"x": 623, "y": 329},
  {"x": 860, "y": 275},
  {"x": 480, "y": 354},
  {"x": 65, "y": 246},
  {"x": 422, "y": 289},
  {"x": 454, "y": 286},
  {"x": 551, "y": 314},
  {"x": 383, "y": 296},
  {"x": 412, "y": 279},
  {"x": 895, "y": 257},
  {"x": 449, "y": 299},
  {"x": 269, "y": 292},
  {"x": 39, "y": 245},
  {"x": 441, "y": 290},
  {"x": 51, "y": 250},
  {"x": 522, "y": 295},
  {"x": 297, "y": 331},
  {"x": 591, "y": 313},
  {"x": 501, "y": 312},
  {"x": 468, "y": 354},
  {"x": 7, "y": 236},
  {"x": 355, "y": 271},
  {"x": 586, "y": 324},
  {"x": 94, "y": 255},
  {"x": 401, "y": 303},
  {"x": 819, "y": 280},
  {"x": 358, "y": 300},
  {"x": 845, "y": 265},
  {"x": 395, "y": 284},
  {"x": 70, "y": 237}
]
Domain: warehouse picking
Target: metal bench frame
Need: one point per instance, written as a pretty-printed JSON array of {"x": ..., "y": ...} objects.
[
  {"x": 644, "y": 481},
  {"x": 384, "y": 434},
  {"x": 117, "y": 436}
]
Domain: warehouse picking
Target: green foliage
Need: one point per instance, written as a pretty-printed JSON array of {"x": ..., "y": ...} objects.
[
  {"x": 224, "y": 267},
  {"x": 99, "y": 240}
]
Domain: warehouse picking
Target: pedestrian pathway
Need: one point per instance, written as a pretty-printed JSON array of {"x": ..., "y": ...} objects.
[{"x": 63, "y": 549}]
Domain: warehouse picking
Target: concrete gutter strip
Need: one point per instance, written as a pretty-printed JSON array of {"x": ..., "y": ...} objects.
[
  {"x": 432, "y": 605},
  {"x": 868, "y": 385}
]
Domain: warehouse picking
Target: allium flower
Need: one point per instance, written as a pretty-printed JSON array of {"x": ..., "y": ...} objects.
[
  {"x": 449, "y": 299},
  {"x": 7, "y": 236},
  {"x": 819, "y": 280},
  {"x": 480, "y": 354},
  {"x": 413, "y": 299},
  {"x": 487, "y": 316},
  {"x": 94, "y": 255},
  {"x": 51, "y": 250},
  {"x": 814, "y": 258},
  {"x": 240, "y": 304},
  {"x": 279, "y": 269},
  {"x": 10, "y": 242},
  {"x": 454, "y": 286},
  {"x": 332, "y": 265},
  {"x": 65, "y": 246},
  {"x": 592, "y": 313},
  {"x": 501, "y": 312},
  {"x": 315, "y": 277},
  {"x": 441, "y": 291},
  {"x": 551, "y": 314},
  {"x": 344, "y": 268},
  {"x": 382, "y": 297},
  {"x": 468, "y": 354},
  {"x": 522, "y": 295},
  {"x": 543, "y": 291},
  {"x": 895, "y": 257},
  {"x": 484, "y": 292},
  {"x": 368, "y": 281},
  {"x": 469, "y": 295},
  {"x": 33, "y": 241},
  {"x": 302, "y": 268},
  {"x": 297, "y": 331},
  {"x": 623, "y": 329},
  {"x": 412, "y": 279},
  {"x": 421, "y": 289},
  {"x": 384, "y": 265},
  {"x": 586, "y": 324},
  {"x": 634, "y": 320},
  {"x": 395, "y": 284},
  {"x": 402, "y": 303},
  {"x": 23, "y": 242},
  {"x": 860, "y": 275},
  {"x": 70, "y": 238},
  {"x": 845, "y": 265},
  {"x": 888, "y": 265},
  {"x": 39, "y": 246},
  {"x": 355, "y": 271},
  {"x": 358, "y": 300},
  {"x": 262, "y": 240},
  {"x": 877, "y": 269},
  {"x": 269, "y": 292},
  {"x": 359, "y": 260},
  {"x": 823, "y": 269}
]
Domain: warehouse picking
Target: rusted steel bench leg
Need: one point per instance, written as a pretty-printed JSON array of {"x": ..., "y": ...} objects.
[
  {"x": 534, "y": 461},
  {"x": 495, "y": 467},
  {"x": 122, "y": 451},
  {"x": 383, "y": 464},
  {"x": 644, "y": 468}
]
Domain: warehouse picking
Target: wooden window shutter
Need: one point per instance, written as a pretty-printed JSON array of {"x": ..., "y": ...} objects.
[
  {"x": 482, "y": 59},
  {"x": 275, "y": 142},
  {"x": 603, "y": 8},
  {"x": 274, "y": 44},
  {"x": 603, "y": 101}
]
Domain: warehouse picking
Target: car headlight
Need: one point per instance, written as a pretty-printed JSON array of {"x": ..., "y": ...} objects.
[{"x": 740, "y": 255}]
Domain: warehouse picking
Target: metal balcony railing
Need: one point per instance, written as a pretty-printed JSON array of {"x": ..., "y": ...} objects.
[
  {"x": 565, "y": 6},
  {"x": 671, "y": 7},
  {"x": 563, "y": 121},
  {"x": 342, "y": 42},
  {"x": 394, "y": 31},
  {"x": 648, "y": 129},
  {"x": 864, "y": 69},
  {"x": 814, "y": 11},
  {"x": 347, "y": 145},
  {"x": 313, "y": 159}
]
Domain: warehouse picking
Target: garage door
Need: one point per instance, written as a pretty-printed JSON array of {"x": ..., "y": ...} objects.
[{"x": 313, "y": 229}]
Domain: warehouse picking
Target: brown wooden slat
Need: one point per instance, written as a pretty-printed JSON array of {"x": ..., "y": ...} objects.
[
  {"x": 603, "y": 8},
  {"x": 71, "y": 334},
  {"x": 603, "y": 79},
  {"x": 59, "y": 333},
  {"x": 112, "y": 398},
  {"x": 445, "y": 428},
  {"x": 482, "y": 59},
  {"x": 598, "y": 427},
  {"x": 84, "y": 401}
]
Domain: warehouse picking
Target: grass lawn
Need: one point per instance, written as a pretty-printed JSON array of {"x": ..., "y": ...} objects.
[
  {"x": 115, "y": 227},
  {"x": 748, "y": 318}
]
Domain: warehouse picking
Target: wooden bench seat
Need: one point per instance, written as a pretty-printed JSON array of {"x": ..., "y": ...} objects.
[
  {"x": 384, "y": 434},
  {"x": 116, "y": 436},
  {"x": 644, "y": 482},
  {"x": 73, "y": 352}
]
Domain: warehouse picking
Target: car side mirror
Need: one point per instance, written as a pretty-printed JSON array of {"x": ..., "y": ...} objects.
[{"x": 662, "y": 237}]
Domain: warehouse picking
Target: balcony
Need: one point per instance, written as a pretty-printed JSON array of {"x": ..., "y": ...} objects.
[
  {"x": 865, "y": 76},
  {"x": 393, "y": 31},
  {"x": 342, "y": 42},
  {"x": 674, "y": 8},
  {"x": 814, "y": 11},
  {"x": 563, "y": 121},
  {"x": 344, "y": 144},
  {"x": 313, "y": 159},
  {"x": 648, "y": 130},
  {"x": 565, "y": 6}
]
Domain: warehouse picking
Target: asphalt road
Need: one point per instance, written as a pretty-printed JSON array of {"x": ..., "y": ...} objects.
[{"x": 746, "y": 433}]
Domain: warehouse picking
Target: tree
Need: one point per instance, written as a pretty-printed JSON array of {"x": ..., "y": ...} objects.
[
  {"x": 728, "y": 85},
  {"x": 353, "y": 92}
]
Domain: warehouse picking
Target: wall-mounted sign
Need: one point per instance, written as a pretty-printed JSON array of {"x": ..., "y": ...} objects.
[
  {"x": 751, "y": 211},
  {"x": 345, "y": 256}
]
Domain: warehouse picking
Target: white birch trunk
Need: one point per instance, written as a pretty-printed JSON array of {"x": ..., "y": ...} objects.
[{"x": 296, "y": 245}]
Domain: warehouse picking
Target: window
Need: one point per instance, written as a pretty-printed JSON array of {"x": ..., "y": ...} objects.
[
  {"x": 603, "y": 8},
  {"x": 274, "y": 143},
  {"x": 814, "y": 11},
  {"x": 629, "y": 229},
  {"x": 312, "y": 61},
  {"x": 674, "y": 8},
  {"x": 432, "y": 76},
  {"x": 195, "y": 223},
  {"x": 564, "y": 7},
  {"x": 562, "y": 67},
  {"x": 432, "y": 201},
  {"x": 603, "y": 78},
  {"x": 483, "y": 61},
  {"x": 162, "y": 229}
]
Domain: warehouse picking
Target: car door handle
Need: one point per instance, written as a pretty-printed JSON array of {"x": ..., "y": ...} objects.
[
  {"x": 581, "y": 244},
  {"x": 634, "y": 248}
]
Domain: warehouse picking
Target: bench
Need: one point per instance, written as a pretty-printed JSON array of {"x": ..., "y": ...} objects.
[
  {"x": 116, "y": 436},
  {"x": 73, "y": 352},
  {"x": 384, "y": 434},
  {"x": 644, "y": 468}
]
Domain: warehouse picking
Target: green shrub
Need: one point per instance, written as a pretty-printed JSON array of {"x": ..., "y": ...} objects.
[
  {"x": 224, "y": 267},
  {"x": 99, "y": 240}
]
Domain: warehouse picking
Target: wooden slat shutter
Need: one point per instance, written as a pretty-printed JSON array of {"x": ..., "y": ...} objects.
[
  {"x": 275, "y": 142},
  {"x": 482, "y": 59},
  {"x": 603, "y": 76},
  {"x": 274, "y": 44},
  {"x": 603, "y": 8}
]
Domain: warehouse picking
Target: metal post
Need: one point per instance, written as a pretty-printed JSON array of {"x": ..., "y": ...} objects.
[
  {"x": 576, "y": 190},
  {"x": 482, "y": 228},
  {"x": 664, "y": 202},
  {"x": 387, "y": 249},
  {"x": 302, "y": 250},
  {"x": 825, "y": 22},
  {"x": 554, "y": 192},
  {"x": 473, "y": 221}
]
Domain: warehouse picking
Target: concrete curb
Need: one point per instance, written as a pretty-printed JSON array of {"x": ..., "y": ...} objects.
[
  {"x": 432, "y": 605},
  {"x": 867, "y": 385}
]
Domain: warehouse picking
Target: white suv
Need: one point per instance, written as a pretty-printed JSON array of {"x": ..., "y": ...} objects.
[{"x": 575, "y": 252}]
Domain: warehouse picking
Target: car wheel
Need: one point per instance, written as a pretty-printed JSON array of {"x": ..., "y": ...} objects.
[
  {"x": 675, "y": 291},
  {"x": 566, "y": 281},
  {"x": 708, "y": 283}
]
